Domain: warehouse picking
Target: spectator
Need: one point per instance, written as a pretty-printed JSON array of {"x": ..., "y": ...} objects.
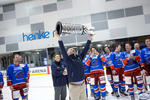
[{"x": 59, "y": 78}]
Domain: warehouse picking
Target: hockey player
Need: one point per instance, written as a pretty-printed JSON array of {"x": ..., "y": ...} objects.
[
  {"x": 118, "y": 71},
  {"x": 87, "y": 73},
  {"x": 145, "y": 61},
  {"x": 18, "y": 78},
  {"x": 109, "y": 65},
  {"x": 1, "y": 85},
  {"x": 22, "y": 64},
  {"x": 132, "y": 69},
  {"x": 137, "y": 47},
  {"x": 97, "y": 73},
  {"x": 86, "y": 67}
]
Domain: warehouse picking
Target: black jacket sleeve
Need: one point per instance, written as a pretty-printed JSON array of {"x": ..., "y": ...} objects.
[
  {"x": 86, "y": 48},
  {"x": 63, "y": 50}
]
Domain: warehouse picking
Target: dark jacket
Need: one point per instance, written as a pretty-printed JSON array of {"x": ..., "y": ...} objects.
[
  {"x": 57, "y": 74},
  {"x": 74, "y": 63}
]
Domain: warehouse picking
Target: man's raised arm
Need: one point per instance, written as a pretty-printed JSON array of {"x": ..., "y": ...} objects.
[
  {"x": 62, "y": 47},
  {"x": 87, "y": 46}
]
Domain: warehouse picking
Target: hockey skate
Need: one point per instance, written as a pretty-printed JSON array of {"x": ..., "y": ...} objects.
[
  {"x": 117, "y": 94},
  {"x": 107, "y": 92},
  {"x": 113, "y": 93},
  {"x": 123, "y": 93},
  {"x": 132, "y": 97},
  {"x": 103, "y": 98},
  {"x": 1, "y": 97},
  {"x": 97, "y": 98}
]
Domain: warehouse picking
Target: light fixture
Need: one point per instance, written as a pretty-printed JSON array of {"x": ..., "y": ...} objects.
[{"x": 99, "y": 45}]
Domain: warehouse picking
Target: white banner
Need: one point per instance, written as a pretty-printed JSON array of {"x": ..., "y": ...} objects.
[{"x": 36, "y": 70}]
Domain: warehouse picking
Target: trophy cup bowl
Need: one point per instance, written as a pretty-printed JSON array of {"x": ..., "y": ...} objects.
[
  {"x": 59, "y": 27},
  {"x": 67, "y": 28}
]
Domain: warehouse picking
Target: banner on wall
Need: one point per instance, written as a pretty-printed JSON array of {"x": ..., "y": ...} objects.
[
  {"x": 40, "y": 71},
  {"x": 35, "y": 71},
  {"x": 36, "y": 36}
]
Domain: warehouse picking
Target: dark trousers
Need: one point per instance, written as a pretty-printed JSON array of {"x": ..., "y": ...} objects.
[
  {"x": 1, "y": 95},
  {"x": 60, "y": 92},
  {"x": 0, "y": 92}
]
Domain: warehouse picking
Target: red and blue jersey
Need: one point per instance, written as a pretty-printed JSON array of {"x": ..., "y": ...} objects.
[
  {"x": 108, "y": 61},
  {"x": 131, "y": 64},
  {"x": 1, "y": 80},
  {"x": 96, "y": 64},
  {"x": 116, "y": 59},
  {"x": 139, "y": 52},
  {"x": 86, "y": 65},
  {"x": 145, "y": 57},
  {"x": 17, "y": 75}
]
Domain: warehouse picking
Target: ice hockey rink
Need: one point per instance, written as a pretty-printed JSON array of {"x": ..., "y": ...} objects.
[{"x": 41, "y": 88}]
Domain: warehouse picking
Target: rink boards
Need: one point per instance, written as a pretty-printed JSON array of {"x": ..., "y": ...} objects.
[
  {"x": 45, "y": 70},
  {"x": 35, "y": 71}
]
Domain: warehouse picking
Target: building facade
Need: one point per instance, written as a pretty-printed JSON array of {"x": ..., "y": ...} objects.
[{"x": 29, "y": 26}]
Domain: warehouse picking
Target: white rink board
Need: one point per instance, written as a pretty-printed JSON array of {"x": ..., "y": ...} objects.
[
  {"x": 35, "y": 71},
  {"x": 41, "y": 88}
]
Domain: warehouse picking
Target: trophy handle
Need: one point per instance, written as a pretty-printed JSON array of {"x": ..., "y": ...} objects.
[{"x": 59, "y": 27}]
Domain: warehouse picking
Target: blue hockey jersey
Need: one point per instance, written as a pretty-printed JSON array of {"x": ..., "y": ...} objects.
[
  {"x": 131, "y": 64},
  {"x": 17, "y": 75},
  {"x": 96, "y": 64},
  {"x": 116, "y": 59},
  {"x": 145, "y": 57},
  {"x": 108, "y": 61},
  {"x": 139, "y": 52},
  {"x": 1, "y": 80},
  {"x": 85, "y": 65}
]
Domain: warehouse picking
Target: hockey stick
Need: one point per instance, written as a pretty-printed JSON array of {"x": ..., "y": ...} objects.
[
  {"x": 132, "y": 96},
  {"x": 145, "y": 84},
  {"x": 86, "y": 90}
]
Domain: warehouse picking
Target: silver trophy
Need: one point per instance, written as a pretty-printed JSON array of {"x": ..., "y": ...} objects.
[{"x": 67, "y": 28}]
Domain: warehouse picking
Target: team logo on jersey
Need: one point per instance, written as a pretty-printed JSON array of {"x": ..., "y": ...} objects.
[
  {"x": 22, "y": 65},
  {"x": 131, "y": 62},
  {"x": 119, "y": 61},
  {"x": 85, "y": 68},
  {"x": 19, "y": 75},
  {"x": 94, "y": 62}
]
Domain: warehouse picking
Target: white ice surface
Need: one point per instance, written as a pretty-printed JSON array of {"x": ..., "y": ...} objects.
[{"x": 41, "y": 88}]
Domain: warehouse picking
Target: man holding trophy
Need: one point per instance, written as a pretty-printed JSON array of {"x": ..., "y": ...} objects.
[{"x": 75, "y": 69}]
